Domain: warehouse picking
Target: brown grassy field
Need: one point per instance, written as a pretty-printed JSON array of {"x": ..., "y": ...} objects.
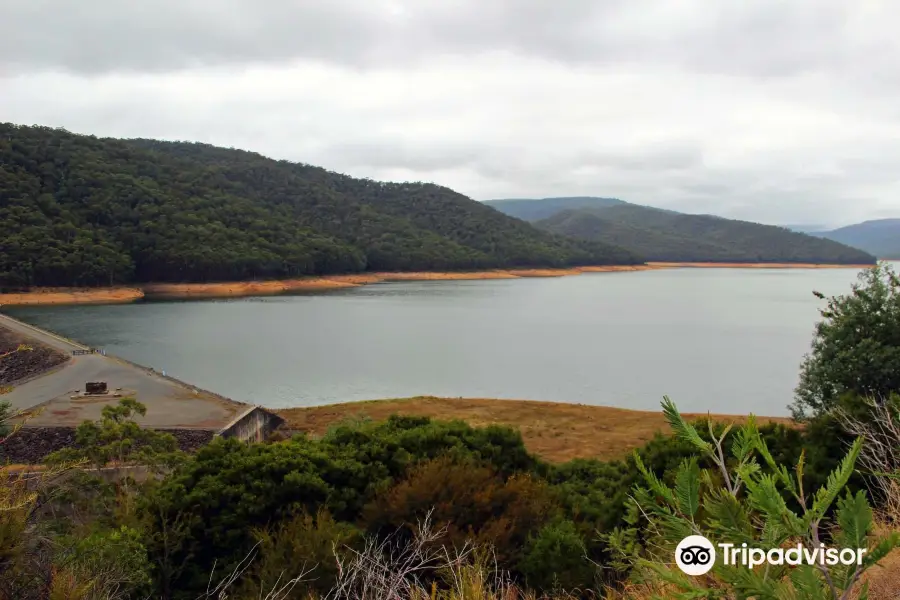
[{"x": 554, "y": 431}]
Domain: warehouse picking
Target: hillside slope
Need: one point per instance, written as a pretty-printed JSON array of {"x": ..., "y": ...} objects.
[
  {"x": 661, "y": 235},
  {"x": 83, "y": 211},
  {"x": 880, "y": 237},
  {"x": 537, "y": 209}
]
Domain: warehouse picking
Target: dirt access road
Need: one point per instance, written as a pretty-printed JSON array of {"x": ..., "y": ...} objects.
[{"x": 169, "y": 403}]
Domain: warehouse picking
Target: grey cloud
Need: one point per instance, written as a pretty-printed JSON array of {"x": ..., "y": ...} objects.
[
  {"x": 162, "y": 35},
  {"x": 661, "y": 156},
  {"x": 763, "y": 37},
  {"x": 628, "y": 100},
  {"x": 384, "y": 154}
]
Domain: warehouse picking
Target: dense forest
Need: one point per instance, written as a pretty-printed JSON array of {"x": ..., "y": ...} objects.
[
  {"x": 662, "y": 235},
  {"x": 78, "y": 210}
]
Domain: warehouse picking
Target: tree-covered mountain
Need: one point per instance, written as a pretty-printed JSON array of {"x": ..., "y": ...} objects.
[
  {"x": 85, "y": 211},
  {"x": 880, "y": 237},
  {"x": 529, "y": 209},
  {"x": 662, "y": 235}
]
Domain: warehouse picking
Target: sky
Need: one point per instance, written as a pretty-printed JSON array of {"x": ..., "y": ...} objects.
[{"x": 777, "y": 111}]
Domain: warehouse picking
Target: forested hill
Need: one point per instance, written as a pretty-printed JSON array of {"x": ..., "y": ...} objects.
[
  {"x": 881, "y": 237},
  {"x": 529, "y": 209},
  {"x": 661, "y": 235},
  {"x": 83, "y": 211}
]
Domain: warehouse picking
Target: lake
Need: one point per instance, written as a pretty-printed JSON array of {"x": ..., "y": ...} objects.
[{"x": 720, "y": 340}]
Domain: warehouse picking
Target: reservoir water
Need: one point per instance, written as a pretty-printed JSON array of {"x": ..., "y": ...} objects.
[{"x": 720, "y": 340}]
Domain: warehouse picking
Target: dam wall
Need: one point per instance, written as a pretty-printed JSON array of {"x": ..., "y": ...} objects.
[{"x": 253, "y": 425}]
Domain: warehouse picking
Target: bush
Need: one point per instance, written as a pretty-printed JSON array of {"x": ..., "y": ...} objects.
[
  {"x": 474, "y": 502},
  {"x": 556, "y": 559},
  {"x": 302, "y": 544},
  {"x": 113, "y": 561},
  {"x": 856, "y": 348},
  {"x": 229, "y": 489},
  {"x": 741, "y": 501}
]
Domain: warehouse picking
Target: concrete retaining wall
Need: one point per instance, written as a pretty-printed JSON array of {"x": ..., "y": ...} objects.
[{"x": 253, "y": 425}]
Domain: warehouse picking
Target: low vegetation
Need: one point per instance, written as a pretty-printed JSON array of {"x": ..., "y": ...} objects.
[{"x": 411, "y": 507}]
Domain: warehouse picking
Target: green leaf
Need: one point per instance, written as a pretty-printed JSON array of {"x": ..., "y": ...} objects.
[
  {"x": 743, "y": 444},
  {"x": 854, "y": 516},
  {"x": 753, "y": 584},
  {"x": 682, "y": 429},
  {"x": 726, "y": 517},
  {"x": 657, "y": 486},
  {"x": 881, "y": 549},
  {"x": 837, "y": 479},
  {"x": 687, "y": 487},
  {"x": 780, "y": 470},
  {"x": 764, "y": 496},
  {"x": 808, "y": 584}
]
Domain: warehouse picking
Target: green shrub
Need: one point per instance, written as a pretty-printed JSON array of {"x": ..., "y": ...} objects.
[
  {"x": 856, "y": 348},
  {"x": 473, "y": 502},
  {"x": 740, "y": 501},
  {"x": 303, "y": 545},
  {"x": 229, "y": 489},
  {"x": 556, "y": 559}
]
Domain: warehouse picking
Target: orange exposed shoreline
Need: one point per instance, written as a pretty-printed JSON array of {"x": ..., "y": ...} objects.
[
  {"x": 671, "y": 265},
  {"x": 122, "y": 295}
]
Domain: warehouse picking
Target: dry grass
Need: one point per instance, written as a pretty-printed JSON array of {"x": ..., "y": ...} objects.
[
  {"x": 884, "y": 578},
  {"x": 554, "y": 431},
  {"x": 73, "y": 296}
]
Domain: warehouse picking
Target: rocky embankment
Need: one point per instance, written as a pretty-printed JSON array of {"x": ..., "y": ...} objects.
[
  {"x": 30, "y": 445},
  {"x": 21, "y": 365}
]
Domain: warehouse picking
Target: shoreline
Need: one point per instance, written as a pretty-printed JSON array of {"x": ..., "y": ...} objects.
[{"x": 180, "y": 291}]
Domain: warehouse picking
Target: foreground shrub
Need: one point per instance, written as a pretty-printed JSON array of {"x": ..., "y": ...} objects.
[
  {"x": 204, "y": 513},
  {"x": 556, "y": 559},
  {"x": 878, "y": 423},
  {"x": 743, "y": 503},
  {"x": 856, "y": 348},
  {"x": 306, "y": 546},
  {"x": 474, "y": 503}
]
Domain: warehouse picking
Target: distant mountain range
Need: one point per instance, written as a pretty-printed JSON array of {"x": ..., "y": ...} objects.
[
  {"x": 529, "y": 209},
  {"x": 880, "y": 237},
  {"x": 664, "y": 235},
  {"x": 806, "y": 228}
]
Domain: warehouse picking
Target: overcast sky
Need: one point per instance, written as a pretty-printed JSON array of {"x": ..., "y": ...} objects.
[{"x": 780, "y": 111}]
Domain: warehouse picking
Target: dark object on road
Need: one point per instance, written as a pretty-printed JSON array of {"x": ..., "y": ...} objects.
[{"x": 95, "y": 387}]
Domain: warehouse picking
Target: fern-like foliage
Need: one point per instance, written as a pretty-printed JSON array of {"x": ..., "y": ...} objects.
[{"x": 747, "y": 498}]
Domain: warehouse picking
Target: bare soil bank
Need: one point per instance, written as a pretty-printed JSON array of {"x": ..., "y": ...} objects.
[
  {"x": 555, "y": 431},
  {"x": 681, "y": 265},
  {"x": 173, "y": 291}
]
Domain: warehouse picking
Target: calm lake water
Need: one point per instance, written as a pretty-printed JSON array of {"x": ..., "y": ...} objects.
[{"x": 721, "y": 340}]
